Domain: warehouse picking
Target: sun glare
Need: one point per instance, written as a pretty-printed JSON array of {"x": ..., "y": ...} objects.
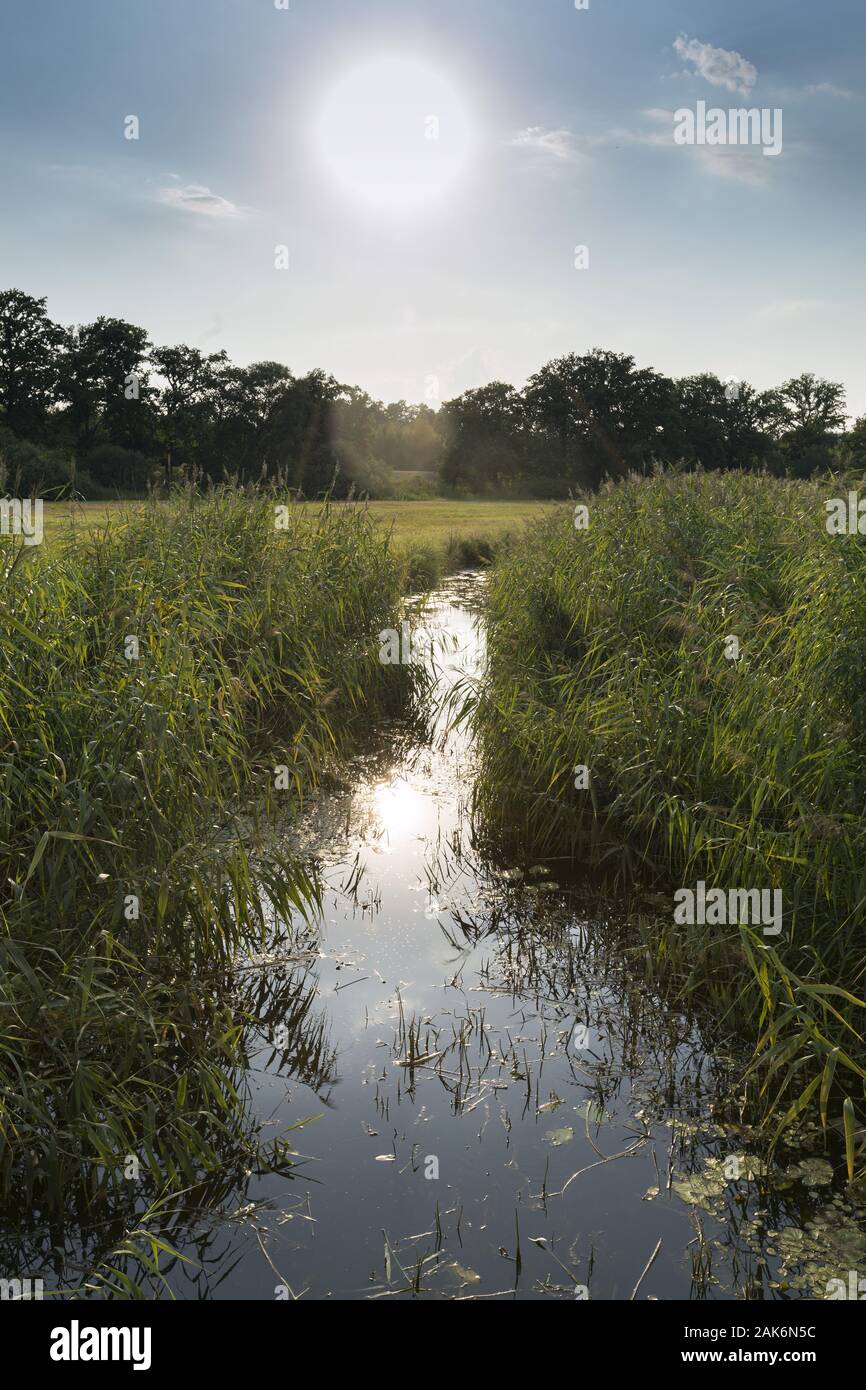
[
  {"x": 394, "y": 133},
  {"x": 399, "y": 807}
]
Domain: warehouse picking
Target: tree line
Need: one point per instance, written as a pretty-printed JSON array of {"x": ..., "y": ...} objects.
[
  {"x": 100, "y": 409},
  {"x": 584, "y": 417}
]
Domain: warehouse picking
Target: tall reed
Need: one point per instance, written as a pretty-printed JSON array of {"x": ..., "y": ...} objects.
[
  {"x": 170, "y": 689},
  {"x": 609, "y": 649}
]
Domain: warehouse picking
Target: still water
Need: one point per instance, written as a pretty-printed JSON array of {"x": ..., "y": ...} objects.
[{"x": 499, "y": 1105}]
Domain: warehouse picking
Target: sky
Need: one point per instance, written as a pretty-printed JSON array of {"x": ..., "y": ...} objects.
[{"x": 430, "y": 167}]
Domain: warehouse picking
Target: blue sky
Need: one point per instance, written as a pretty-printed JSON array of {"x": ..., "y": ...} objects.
[{"x": 699, "y": 259}]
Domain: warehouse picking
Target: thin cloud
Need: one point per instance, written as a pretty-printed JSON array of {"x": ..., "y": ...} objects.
[
  {"x": 722, "y": 67},
  {"x": 617, "y": 136},
  {"x": 739, "y": 163},
  {"x": 784, "y": 311},
  {"x": 197, "y": 199},
  {"x": 559, "y": 145},
  {"x": 566, "y": 146},
  {"x": 829, "y": 89}
]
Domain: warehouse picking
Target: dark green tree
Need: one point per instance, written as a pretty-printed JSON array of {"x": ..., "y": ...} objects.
[
  {"x": 186, "y": 402},
  {"x": 485, "y": 433},
  {"x": 813, "y": 414},
  {"x": 599, "y": 415},
  {"x": 103, "y": 377},
  {"x": 30, "y": 345}
]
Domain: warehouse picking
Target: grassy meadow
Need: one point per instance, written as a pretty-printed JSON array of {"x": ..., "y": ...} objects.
[
  {"x": 610, "y": 651},
  {"x": 439, "y": 525}
]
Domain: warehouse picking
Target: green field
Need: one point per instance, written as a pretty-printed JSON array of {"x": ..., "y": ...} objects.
[{"x": 433, "y": 523}]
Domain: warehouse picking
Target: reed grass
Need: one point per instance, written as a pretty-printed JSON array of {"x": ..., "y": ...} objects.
[
  {"x": 153, "y": 779},
  {"x": 607, "y": 649}
]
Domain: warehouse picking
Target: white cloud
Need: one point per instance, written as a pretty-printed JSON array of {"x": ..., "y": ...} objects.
[
  {"x": 720, "y": 66},
  {"x": 555, "y": 144},
  {"x": 196, "y": 198},
  {"x": 739, "y": 163},
  {"x": 829, "y": 89},
  {"x": 567, "y": 146}
]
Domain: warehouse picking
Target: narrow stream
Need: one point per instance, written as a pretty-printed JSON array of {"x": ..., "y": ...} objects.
[{"x": 500, "y": 1106}]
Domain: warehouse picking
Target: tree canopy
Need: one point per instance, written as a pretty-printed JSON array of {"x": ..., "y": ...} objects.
[{"x": 101, "y": 405}]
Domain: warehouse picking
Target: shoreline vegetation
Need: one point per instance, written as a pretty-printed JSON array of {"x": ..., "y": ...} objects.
[
  {"x": 175, "y": 679},
  {"x": 616, "y": 726},
  {"x": 170, "y": 688}
]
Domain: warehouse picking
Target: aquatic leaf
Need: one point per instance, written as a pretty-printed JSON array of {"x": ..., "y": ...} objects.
[
  {"x": 814, "y": 1172},
  {"x": 699, "y": 1189},
  {"x": 749, "y": 1169},
  {"x": 556, "y": 1137}
]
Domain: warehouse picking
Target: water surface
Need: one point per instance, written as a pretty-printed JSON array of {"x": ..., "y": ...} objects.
[{"x": 500, "y": 1105}]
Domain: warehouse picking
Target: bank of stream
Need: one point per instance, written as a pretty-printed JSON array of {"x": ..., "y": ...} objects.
[
  {"x": 487, "y": 1090},
  {"x": 499, "y": 1103}
]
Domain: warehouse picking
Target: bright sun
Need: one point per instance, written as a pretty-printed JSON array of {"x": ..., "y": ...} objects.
[{"x": 394, "y": 133}]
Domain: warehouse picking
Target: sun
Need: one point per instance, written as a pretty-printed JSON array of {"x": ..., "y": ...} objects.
[{"x": 394, "y": 133}]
